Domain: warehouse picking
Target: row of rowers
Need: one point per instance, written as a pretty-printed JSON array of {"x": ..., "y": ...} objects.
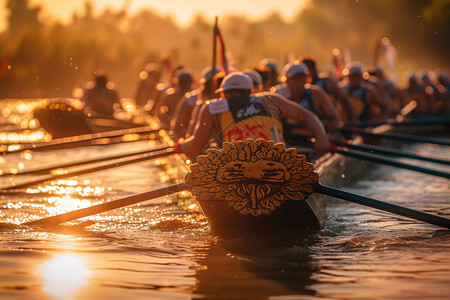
[{"x": 239, "y": 109}]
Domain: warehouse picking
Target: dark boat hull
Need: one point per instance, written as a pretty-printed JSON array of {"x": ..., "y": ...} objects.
[{"x": 309, "y": 214}]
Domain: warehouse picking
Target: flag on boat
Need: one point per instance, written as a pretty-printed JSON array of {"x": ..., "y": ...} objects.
[{"x": 223, "y": 58}]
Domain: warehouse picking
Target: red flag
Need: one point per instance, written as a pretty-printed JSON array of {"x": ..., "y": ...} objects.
[{"x": 223, "y": 58}]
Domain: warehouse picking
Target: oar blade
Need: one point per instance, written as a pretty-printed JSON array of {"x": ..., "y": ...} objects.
[{"x": 389, "y": 207}]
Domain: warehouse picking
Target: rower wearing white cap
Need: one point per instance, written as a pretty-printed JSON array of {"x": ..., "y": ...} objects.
[
  {"x": 362, "y": 95},
  {"x": 238, "y": 116},
  {"x": 312, "y": 97},
  {"x": 257, "y": 82}
]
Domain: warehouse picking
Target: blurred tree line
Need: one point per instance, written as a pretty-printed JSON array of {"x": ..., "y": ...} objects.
[{"x": 49, "y": 59}]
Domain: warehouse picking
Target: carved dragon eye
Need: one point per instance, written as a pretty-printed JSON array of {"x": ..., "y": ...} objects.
[{"x": 253, "y": 177}]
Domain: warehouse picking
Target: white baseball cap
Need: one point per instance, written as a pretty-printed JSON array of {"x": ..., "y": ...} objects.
[
  {"x": 256, "y": 78},
  {"x": 235, "y": 81},
  {"x": 295, "y": 68}
]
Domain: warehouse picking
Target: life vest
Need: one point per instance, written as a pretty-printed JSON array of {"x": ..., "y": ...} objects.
[
  {"x": 252, "y": 121},
  {"x": 322, "y": 82},
  {"x": 306, "y": 102},
  {"x": 358, "y": 98}
]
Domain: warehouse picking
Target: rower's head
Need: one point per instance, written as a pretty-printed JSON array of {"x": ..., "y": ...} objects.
[
  {"x": 354, "y": 73},
  {"x": 206, "y": 81},
  {"x": 257, "y": 84},
  {"x": 295, "y": 75},
  {"x": 311, "y": 64},
  {"x": 235, "y": 84},
  {"x": 183, "y": 79},
  {"x": 272, "y": 67}
]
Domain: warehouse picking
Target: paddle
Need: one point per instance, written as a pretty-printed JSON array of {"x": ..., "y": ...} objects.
[
  {"x": 374, "y": 158},
  {"x": 421, "y": 122},
  {"x": 395, "y": 136},
  {"x": 81, "y": 138},
  {"x": 148, "y": 156},
  {"x": 92, "y": 210},
  {"x": 381, "y": 205},
  {"x": 393, "y": 152},
  {"x": 219, "y": 170},
  {"x": 303, "y": 140},
  {"x": 84, "y": 162},
  {"x": 391, "y": 162}
]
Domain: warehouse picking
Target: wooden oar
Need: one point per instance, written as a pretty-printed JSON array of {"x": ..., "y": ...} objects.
[
  {"x": 396, "y": 136},
  {"x": 421, "y": 122},
  {"x": 85, "y": 162},
  {"x": 392, "y": 152},
  {"x": 319, "y": 188},
  {"x": 381, "y": 205},
  {"x": 82, "y": 138},
  {"x": 373, "y": 158},
  {"x": 144, "y": 157},
  {"x": 92, "y": 210},
  {"x": 391, "y": 162}
]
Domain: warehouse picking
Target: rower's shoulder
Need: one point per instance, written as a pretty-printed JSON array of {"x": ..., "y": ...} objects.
[{"x": 217, "y": 106}]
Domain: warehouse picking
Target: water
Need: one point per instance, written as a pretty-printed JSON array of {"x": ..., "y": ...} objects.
[{"x": 163, "y": 248}]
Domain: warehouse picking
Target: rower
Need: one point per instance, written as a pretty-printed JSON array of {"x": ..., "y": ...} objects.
[
  {"x": 182, "y": 82},
  {"x": 189, "y": 105},
  {"x": 312, "y": 97},
  {"x": 238, "y": 116},
  {"x": 397, "y": 98},
  {"x": 147, "y": 91},
  {"x": 99, "y": 96},
  {"x": 363, "y": 95},
  {"x": 329, "y": 84},
  {"x": 257, "y": 82},
  {"x": 272, "y": 67}
]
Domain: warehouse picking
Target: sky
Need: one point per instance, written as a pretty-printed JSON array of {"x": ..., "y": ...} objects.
[{"x": 181, "y": 10}]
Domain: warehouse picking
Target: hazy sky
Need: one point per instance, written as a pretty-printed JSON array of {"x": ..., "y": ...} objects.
[{"x": 181, "y": 10}]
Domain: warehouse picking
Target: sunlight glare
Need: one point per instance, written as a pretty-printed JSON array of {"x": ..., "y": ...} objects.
[{"x": 64, "y": 274}]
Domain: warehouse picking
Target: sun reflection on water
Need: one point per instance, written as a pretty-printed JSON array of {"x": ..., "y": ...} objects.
[{"x": 64, "y": 275}]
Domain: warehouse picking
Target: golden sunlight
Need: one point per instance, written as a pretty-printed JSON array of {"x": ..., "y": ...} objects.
[{"x": 63, "y": 275}]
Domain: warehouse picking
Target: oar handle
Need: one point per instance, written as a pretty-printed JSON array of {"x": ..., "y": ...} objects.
[
  {"x": 389, "y": 207},
  {"x": 92, "y": 210}
]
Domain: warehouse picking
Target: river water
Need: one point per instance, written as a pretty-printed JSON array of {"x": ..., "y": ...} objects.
[{"x": 164, "y": 249}]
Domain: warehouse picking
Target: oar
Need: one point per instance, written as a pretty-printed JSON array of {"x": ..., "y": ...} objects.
[
  {"x": 391, "y": 162},
  {"x": 421, "y": 122},
  {"x": 392, "y": 152},
  {"x": 82, "y": 138},
  {"x": 318, "y": 188},
  {"x": 396, "y": 136},
  {"x": 381, "y": 205},
  {"x": 144, "y": 157},
  {"x": 371, "y": 157},
  {"x": 84, "y": 162},
  {"x": 92, "y": 210}
]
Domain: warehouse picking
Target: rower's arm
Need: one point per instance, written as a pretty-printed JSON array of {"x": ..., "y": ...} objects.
[
  {"x": 343, "y": 97},
  {"x": 374, "y": 96},
  {"x": 180, "y": 121},
  {"x": 291, "y": 110},
  {"x": 326, "y": 109},
  {"x": 202, "y": 134}
]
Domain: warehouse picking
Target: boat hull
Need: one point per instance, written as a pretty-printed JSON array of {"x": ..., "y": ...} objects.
[{"x": 309, "y": 213}]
